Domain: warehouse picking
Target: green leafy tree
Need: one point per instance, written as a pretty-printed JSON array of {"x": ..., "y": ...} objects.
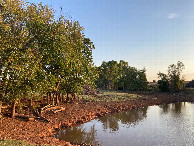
[
  {"x": 19, "y": 63},
  {"x": 174, "y": 73},
  {"x": 39, "y": 54},
  {"x": 142, "y": 80},
  {"x": 163, "y": 83},
  {"x": 172, "y": 81},
  {"x": 108, "y": 74},
  {"x": 80, "y": 68},
  {"x": 121, "y": 76},
  {"x": 112, "y": 73},
  {"x": 102, "y": 81},
  {"x": 122, "y": 70},
  {"x": 135, "y": 79}
]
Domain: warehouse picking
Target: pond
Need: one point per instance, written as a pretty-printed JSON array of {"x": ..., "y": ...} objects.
[{"x": 171, "y": 124}]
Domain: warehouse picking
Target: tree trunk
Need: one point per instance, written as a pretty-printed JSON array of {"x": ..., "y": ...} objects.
[
  {"x": 62, "y": 97},
  {"x": 57, "y": 99},
  {"x": 13, "y": 109},
  {"x": 59, "y": 96},
  {"x": 67, "y": 97},
  {"x": 47, "y": 98},
  {"x": 53, "y": 99},
  {"x": 30, "y": 107},
  {"x": 50, "y": 97},
  {"x": 30, "y": 103},
  {"x": 0, "y": 113},
  {"x": 0, "y": 106},
  {"x": 73, "y": 95}
]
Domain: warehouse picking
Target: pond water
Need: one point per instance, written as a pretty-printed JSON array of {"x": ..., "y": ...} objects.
[{"x": 171, "y": 124}]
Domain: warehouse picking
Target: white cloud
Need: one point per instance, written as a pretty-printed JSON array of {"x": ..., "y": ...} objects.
[{"x": 172, "y": 15}]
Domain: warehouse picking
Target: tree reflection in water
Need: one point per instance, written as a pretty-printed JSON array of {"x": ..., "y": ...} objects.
[
  {"x": 87, "y": 134},
  {"x": 79, "y": 135},
  {"x": 130, "y": 118},
  {"x": 174, "y": 107},
  {"x": 158, "y": 128}
]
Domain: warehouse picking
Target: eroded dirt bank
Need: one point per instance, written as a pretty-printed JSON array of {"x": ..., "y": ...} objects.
[{"x": 41, "y": 132}]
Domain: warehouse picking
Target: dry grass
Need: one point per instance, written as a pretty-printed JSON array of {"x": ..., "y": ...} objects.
[
  {"x": 10, "y": 142},
  {"x": 110, "y": 96}
]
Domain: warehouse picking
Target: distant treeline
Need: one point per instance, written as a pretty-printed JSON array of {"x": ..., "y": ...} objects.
[{"x": 121, "y": 76}]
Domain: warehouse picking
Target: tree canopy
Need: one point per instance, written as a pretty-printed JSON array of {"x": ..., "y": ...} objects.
[
  {"x": 114, "y": 75},
  {"x": 173, "y": 81},
  {"x": 39, "y": 54}
]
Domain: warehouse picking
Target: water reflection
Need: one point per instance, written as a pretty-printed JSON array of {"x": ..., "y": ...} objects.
[
  {"x": 171, "y": 124},
  {"x": 174, "y": 107},
  {"x": 79, "y": 135},
  {"x": 129, "y": 118},
  {"x": 87, "y": 134}
]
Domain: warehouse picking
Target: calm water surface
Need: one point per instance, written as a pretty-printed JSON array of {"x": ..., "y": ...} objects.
[{"x": 171, "y": 124}]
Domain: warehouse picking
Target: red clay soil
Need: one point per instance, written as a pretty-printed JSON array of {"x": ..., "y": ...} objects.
[{"x": 40, "y": 132}]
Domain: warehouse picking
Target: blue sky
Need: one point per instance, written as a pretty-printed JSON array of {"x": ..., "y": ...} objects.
[{"x": 145, "y": 33}]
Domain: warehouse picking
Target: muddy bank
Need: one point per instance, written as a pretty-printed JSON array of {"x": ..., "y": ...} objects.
[{"x": 41, "y": 132}]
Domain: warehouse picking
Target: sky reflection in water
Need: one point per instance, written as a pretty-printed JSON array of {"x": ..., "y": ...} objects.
[{"x": 171, "y": 124}]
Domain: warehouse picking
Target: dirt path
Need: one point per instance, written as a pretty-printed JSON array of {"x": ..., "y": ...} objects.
[{"x": 39, "y": 132}]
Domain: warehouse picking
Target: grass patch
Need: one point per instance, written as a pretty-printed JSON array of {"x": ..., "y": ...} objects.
[
  {"x": 10, "y": 142},
  {"x": 109, "y": 96},
  {"x": 190, "y": 92}
]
